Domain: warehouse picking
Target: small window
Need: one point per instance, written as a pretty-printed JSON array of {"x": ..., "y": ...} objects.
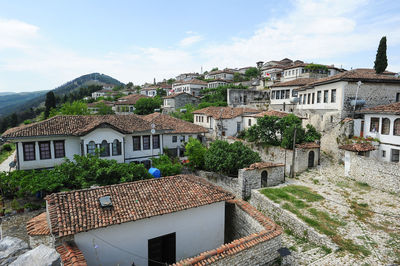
[
  {"x": 333, "y": 96},
  {"x": 174, "y": 139},
  {"x": 326, "y": 95},
  {"x": 44, "y": 150},
  {"x": 116, "y": 147},
  {"x": 146, "y": 142},
  {"x": 29, "y": 151},
  {"x": 249, "y": 122},
  {"x": 383, "y": 154},
  {"x": 396, "y": 127},
  {"x": 156, "y": 141},
  {"x": 395, "y": 155},
  {"x": 136, "y": 143},
  {"x": 273, "y": 95},
  {"x": 398, "y": 97},
  {"x": 385, "y": 126},
  {"x": 104, "y": 149},
  {"x": 374, "y": 127},
  {"x": 309, "y": 98},
  {"x": 313, "y": 98},
  {"x": 301, "y": 98},
  {"x": 304, "y": 98},
  {"x": 91, "y": 148},
  {"x": 318, "y": 96}
]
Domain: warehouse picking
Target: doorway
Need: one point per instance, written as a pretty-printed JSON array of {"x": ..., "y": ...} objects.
[
  {"x": 162, "y": 249},
  {"x": 311, "y": 156},
  {"x": 264, "y": 179}
]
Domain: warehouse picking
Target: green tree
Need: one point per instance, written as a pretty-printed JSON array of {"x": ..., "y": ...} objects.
[
  {"x": 381, "y": 58},
  {"x": 195, "y": 151},
  {"x": 237, "y": 77},
  {"x": 129, "y": 85},
  {"x": 214, "y": 69},
  {"x": 170, "y": 81},
  {"x": 74, "y": 108},
  {"x": 252, "y": 72},
  {"x": 14, "y": 120},
  {"x": 104, "y": 109},
  {"x": 311, "y": 134},
  {"x": 166, "y": 166},
  {"x": 185, "y": 113},
  {"x": 145, "y": 106},
  {"x": 49, "y": 103}
]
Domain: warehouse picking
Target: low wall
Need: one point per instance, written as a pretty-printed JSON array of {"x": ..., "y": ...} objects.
[
  {"x": 226, "y": 182},
  {"x": 289, "y": 220},
  {"x": 381, "y": 175}
]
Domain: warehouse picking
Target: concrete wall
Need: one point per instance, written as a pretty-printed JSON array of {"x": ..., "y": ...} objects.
[
  {"x": 289, "y": 220},
  {"x": 381, "y": 175},
  {"x": 197, "y": 230}
]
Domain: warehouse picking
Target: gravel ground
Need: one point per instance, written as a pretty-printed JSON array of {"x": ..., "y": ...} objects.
[{"x": 379, "y": 233}]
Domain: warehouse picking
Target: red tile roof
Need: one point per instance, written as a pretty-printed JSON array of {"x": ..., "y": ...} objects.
[
  {"x": 271, "y": 230},
  {"x": 271, "y": 113},
  {"x": 393, "y": 108},
  {"x": 79, "y": 125},
  {"x": 130, "y": 99},
  {"x": 179, "y": 126},
  {"x": 38, "y": 225},
  {"x": 308, "y": 145},
  {"x": 70, "y": 254},
  {"x": 178, "y": 94},
  {"x": 79, "y": 211},
  {"x": 95, "y": 104},
  {"x": 225, "y": 112},
  {"x": 293, "y": 83},
  {"x": 262, "y": 165},
  {"x": 358, "y": 147}
]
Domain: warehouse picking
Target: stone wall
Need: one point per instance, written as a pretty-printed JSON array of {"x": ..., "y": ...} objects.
[
  {"x": 289, "y": 220},
  {"x": 226, "y": 182},
  {"x": 381, "y": 175},
  {"x": 336, "y": 136},
  {"x": 35, "y": 241}
]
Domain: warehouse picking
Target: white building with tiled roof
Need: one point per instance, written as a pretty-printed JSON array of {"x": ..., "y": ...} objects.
[
  {"x": 226, "y": 74},
  {"x": 193, "y": 87}
]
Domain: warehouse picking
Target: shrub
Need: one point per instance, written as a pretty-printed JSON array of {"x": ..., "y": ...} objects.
[
  {"x": 166, "y": 166},
  {"x": 7, "y": 147},
  {"x": 195, "y": 151}
]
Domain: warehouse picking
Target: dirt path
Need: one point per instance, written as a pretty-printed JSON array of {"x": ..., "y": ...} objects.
[{"x": 4, "y": 166}]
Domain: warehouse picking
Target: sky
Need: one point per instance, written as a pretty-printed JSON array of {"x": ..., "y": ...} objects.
[{"x": 44, "y": 44}]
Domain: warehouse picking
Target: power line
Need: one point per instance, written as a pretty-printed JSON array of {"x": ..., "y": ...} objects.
[{"x": 127, "y": 251}]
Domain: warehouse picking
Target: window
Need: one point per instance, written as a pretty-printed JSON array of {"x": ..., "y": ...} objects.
[
  {"x": 396, "y": 127},
  {"x": 273, "y": 95},
  {"x": 395, "y": 155},
  {"x": 385, "y": 126},
  {"x": 333, "y": 96},
  {"x": 278, "y": 94},
  {"x": 398, "y": 97},
  {"x": 249, "y": 122},
  {"x": 313, "y": 98},
  {"x": 174, "y": 139},
  {"x": 146, "y": 142},
  {"x": 374, "y": 126},
  {"x": 294, "y": 93},
  {"x": 304, "y": 98},
  {"x": 156, "y": 141},
  {"x": 136, "y": 143},
  {"x": 301, "y": 98},
  {"x": 29, "y": 151},
  {"x": 326, "y": 95},
  {"x": 309, "y": 98},
  {"x": 116, "y": 147},
  {"x": 287, "y": 94},
  {"x": 44, "y": 150},
  {"x": 383, "y": 154},
  {"x": 91, "y": 148},
  {"x": 104, "y": 149},
  {"x": 208, "y": 119},
  {"x": 318, "y": 96}
]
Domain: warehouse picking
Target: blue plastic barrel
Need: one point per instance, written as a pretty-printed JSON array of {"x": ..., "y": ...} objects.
[{"x": 155, "y": 172}]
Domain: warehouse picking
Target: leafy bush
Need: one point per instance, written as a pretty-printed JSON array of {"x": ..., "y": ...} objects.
[
  {"x": 7, "y": 147},
  {"x": 166, "y": 166},
  {"x": 229, "y": 158},
  {"x": 145, "y": 106},
  {"x": 195, "y": 151},
  {"x": 311, "y": 134}
]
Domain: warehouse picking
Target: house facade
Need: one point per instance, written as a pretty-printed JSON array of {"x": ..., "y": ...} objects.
[
  {"x": 192, "y": 87},
  {"x": 126, "y": 104},
  {"x": 173, "y": 102},
  {"x": 325, "y": 102},
  {"x": 150, "y": 91},
  {"x": 225, "y": 74},
  {"x": 250, "y": 120},
  {"x": 187, "y": 76},
  {"x": 212, "y": 84},
  {"x": 302, "y": 71},
  {"x": 222, "y": 121},
  {"x": 248, "y": 98}
]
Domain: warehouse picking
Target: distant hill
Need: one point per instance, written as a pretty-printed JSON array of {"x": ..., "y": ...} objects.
[{"x": 16, "y": 102}]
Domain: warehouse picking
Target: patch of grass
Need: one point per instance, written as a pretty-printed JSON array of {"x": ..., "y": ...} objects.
[
  {"x": 294, "y": 248},
  {"x": 4, "y": 154},
  {"x": 343, "y": 184},
  {"x": 350, "y": 246},
  {"x": 326, "y": 249},
  {"x": 303, "y": 192},
  {"x": 361, "y": 210},
  {"x": 326, "y": 218},
  {"x": 315, "y": 181},
  {"x": 363, "y": 185},
  {"x": 278, "y": 194}
]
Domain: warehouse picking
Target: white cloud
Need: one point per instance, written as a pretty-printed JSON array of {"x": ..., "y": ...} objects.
[
  {"x": 190, "y": 40},
  {"x": 16, "y": 34}
]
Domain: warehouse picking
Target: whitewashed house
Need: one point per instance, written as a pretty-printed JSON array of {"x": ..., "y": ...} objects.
[
  {"x": 250, "y": 120},
  {"x": 383, "y": 123},
  {"x": 302, "y": 71},
  {"x": 149, "y": 91},
  {"x": 103, "y": 93},
  {"x": 124, "y": 138},
  {"x": 225, "y": 74},
  {"x": 222, "y": 121},
  {"x": 193, "y": 87},
  {"x": 126, "y": 104},
  {"x": 327, "y": 101},
  {"x": 187, "y": 76},
  {"x": 212, "y": 84}
]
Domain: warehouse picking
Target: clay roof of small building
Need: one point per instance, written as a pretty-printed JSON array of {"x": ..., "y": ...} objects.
[
  {"x": 71, "y": 254},
  {"x": 130, "y": 99},
  {"x": 79, "y": 210},
  {"x": 262, "y": 165},
  {"x": 178, "y": 94},
  {"x": 360, "y": 74},
  {"x": 225, "y": 112},
  {"x": 79, "y": 125},
  {"x": 358, "y": 147},
  {"x": 271, "y": 113},
  {"x": 293, "y": 83},
  {"x": 192, "y": 81},
  {"x": 38, "y": 226},
  {"x": 308, "y": 145},
  {"x": 179, "y": 126},
  {"x": 393, "y": 108}
]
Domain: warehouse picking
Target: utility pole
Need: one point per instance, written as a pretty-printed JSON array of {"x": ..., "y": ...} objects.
[{"x": 294, "y": 150}]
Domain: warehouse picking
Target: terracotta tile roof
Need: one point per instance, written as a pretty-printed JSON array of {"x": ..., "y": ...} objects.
[
  {"x": 179, "y": 126},
  {"x": 79, "y": 125},
  {"x": 293, "y": 83},
  {"x": 308, "y": 145},
  {"x": 94, "y": 104},
  {"x": 38, "y": 226},
  {"x": 130, "y": 99},
  {"x": 78, "y": 211},
  {"x": 192, "y": 81},
  {"x": 271, "y": 113},
  {"x": 178, "y": 94},
  {"x": 71, "y": 254},
  {"x": 225, "y": 112},
  {"x": 360, "y": 74},
  {"x": 393, "y": 108},
  {"x": 358, "y": 147},
  {"x": 262, "y": 165},
  {"x": 271, "y": 230}
]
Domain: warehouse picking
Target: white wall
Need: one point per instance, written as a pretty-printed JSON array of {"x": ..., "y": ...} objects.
[
  {"x": 131, "y": 155},
  {"x": 197, "y": 230},
  {"x": 245, "y": 122},
  {"x": 167, "y": 140}
]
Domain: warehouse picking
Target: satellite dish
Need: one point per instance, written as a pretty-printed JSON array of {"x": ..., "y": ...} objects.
[{"x": 153, "y": 131}]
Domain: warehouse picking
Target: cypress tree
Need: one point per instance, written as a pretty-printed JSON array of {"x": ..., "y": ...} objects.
[
  {"x": 381, "y": 58},
  {"x": 50, "y": 103}
]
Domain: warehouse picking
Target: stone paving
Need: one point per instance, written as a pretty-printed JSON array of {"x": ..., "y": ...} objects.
[
  {"x": 4, "y": 166},
  {"x": 379, "y": 233}
]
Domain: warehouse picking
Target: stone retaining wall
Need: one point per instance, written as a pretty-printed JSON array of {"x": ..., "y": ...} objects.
[
  {"x": 381, "y": 175},
  {"x": 226, "y": 182},
  {"x": 289, "y": 220}
]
